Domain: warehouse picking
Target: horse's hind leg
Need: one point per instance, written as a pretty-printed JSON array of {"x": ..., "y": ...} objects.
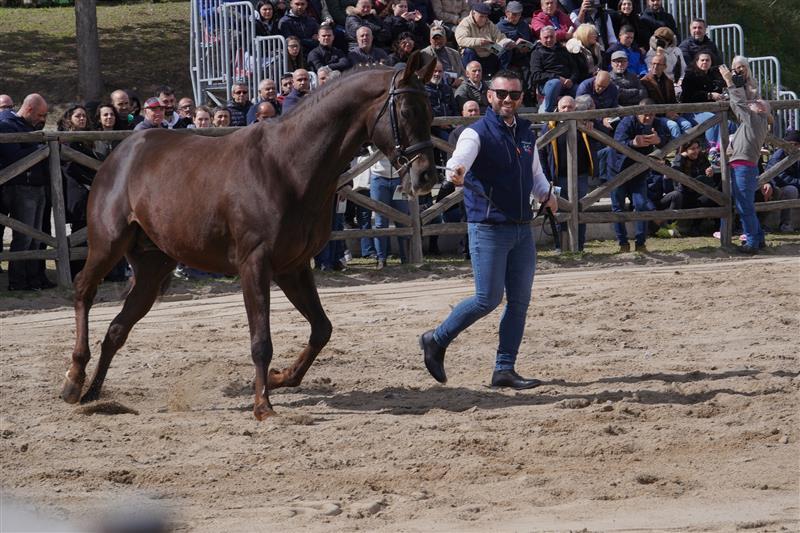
[
  {"x": 104, "y": 253},
  {"x": 150, "y": 269},
  {"x": 300, "y": 289}
]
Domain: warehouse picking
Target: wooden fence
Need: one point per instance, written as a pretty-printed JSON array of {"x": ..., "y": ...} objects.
[{"x": 416, "y": 225}]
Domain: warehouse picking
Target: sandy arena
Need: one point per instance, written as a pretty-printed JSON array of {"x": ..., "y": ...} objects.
[{"x": 670, "y": 404}]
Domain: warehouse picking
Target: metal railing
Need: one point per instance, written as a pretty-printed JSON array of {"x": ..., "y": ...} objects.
[
  {"x": 206, "y": 49},
  {"x": 271, "y": 58},
  {"x": 684, "y": 11},
  {"x": 787, "y": 119},
  {"x": 239, "y": 40},
  {"x": 729, "y": 38},
  {"x": 766, "y": 71}
]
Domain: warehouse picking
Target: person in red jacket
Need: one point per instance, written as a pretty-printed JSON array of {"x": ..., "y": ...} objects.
[{"x": 550, "y": 15}]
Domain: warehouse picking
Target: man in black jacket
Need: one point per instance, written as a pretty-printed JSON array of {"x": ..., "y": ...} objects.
[
  {"x": 552, "y": 69},
  {"x": 24, "y": 197},
  {"x": 326, "y": 54},
  {"x": 656, "y": 16},
  {"x": 699, "y": 41}
]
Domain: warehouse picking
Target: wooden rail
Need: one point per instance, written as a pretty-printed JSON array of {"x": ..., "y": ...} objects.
[{"x": 416, "y": 224}]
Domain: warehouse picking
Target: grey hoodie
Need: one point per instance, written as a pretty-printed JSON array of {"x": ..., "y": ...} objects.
[{"x": 753, "y": 128}]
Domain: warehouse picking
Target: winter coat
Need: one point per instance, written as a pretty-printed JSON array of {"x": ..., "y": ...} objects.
[
  {"x": 450, "y": 11},
  {"x": 381, "y": 36},
  {"x": 469, "y": 35},
  {"x": 563, "y": 25},
  {"x": 676, "y": 66},
  {"x": 551, "y": 63}
]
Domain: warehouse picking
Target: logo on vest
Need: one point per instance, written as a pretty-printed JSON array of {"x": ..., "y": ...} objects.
[{"x": 527, "y": 146}]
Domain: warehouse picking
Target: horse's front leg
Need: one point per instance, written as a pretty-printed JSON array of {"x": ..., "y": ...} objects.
[
  {"x": 301, "y": 290},
  {"x": 255, "y": 279}
]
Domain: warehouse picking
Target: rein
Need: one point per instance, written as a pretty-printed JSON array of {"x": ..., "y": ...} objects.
[{"x": 403, "y": 156}]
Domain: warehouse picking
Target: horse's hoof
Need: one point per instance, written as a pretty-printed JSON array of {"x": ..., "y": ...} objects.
[
  {"x": 262, "y": 412},
  {"x": 71, "y": 391}
]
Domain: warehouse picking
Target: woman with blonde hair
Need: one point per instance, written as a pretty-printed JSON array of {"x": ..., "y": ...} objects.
[{"x": 584, "y": 44}]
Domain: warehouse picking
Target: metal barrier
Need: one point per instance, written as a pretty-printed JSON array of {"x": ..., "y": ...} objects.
[
  {"x": 224, "y": 48},
  {"x": 729, "y": 38},
  {"x": 684, "y": 11},
  {"x": 271, "y": 59},
  {"x": 787, "y": 119},
  {"x": 766, "y": 71}
]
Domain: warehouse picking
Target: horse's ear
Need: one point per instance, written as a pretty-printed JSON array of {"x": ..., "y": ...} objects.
[
  {"x": 412, "y": 65},
  {"x": 425, "y": 73}
]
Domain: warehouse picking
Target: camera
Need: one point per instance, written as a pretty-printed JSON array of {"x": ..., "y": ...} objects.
[{"x": 738, "y": 80}]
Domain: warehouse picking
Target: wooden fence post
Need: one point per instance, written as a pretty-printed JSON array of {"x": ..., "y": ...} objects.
[
  {"x": 726, "y": 223},
  {"x": 572, "y": 183},
  {"x": 59, "y": 217},
  {"x": 415, "y": 248}
]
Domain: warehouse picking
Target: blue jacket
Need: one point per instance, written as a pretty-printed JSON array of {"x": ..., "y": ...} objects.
[
  {"x": 605, "y": 100},
  {"x": 627, "y": 129},
  {"x": 303, "y": 27},
  {"x": 790, "y": 176},
  {"x": 12, "y": 152},
  {"x": 501, "y": 171}
]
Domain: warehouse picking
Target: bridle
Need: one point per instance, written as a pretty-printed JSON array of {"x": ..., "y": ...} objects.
[{"x": 403, "y": 156}]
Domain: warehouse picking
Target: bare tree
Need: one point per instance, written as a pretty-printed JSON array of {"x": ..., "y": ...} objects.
[{"x": 90, "y": 82}]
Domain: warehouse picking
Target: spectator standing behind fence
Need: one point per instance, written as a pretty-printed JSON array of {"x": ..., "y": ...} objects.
[
  {"x": 643, "y": 133},
  {"x": 122, "y": 104},
  {"x": 239, "y": 104},
  {"x": 267, "y": 92},
  {"x": 698, "y": 40},
  {"x": 326, "y": 54},
  {"x": 297, "y": 23},
  {"x": 746, "y": 151},
  {"x": 550, "y": 15},
  {"x": 499, "y": 152},
  {"x": 221, "y": 118},
  {"x": 557, "y": 163},
  {"x": 384, "y": 186},
  {"x": 185, "y": 111},
  {"x": 202, "y": 117},
  {"x": 153, "y": 115},
  {"x": 788, "y": 181},
  {"x": 476, "y": 36},
  {"x": 166, "y": 96},
  {"x": 24, "y": 197}
]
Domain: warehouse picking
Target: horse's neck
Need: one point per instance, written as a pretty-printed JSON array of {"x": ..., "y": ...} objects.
[{"x": 334, "y": 130}]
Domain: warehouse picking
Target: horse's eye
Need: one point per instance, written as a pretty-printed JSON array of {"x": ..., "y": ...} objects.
[{"x": 407, "y": 113}]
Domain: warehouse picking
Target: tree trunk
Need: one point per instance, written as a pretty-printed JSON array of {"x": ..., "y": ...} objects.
[{"x": 90, "y": 83}]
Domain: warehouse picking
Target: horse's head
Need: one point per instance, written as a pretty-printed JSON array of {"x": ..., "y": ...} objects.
[{"x": 403, "y": 127}]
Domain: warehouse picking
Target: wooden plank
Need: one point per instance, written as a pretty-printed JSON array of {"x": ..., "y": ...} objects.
[
  {"x": 572, "y": 185},
  {"x": 82, "y": 159},
  {"x": 30, "y": 231},
  {"x": 439, "y": 208},
  {"x": 59, "y": 217},
  {"x": 782, "y": 165},
  {"x": 28, "y": 254},
  {"x": 375, "y": 232},
  {"x": 777, "y": 205},
  {"x": 726, "y": 221},
  {"x": 553, "y": 134},
  {"x": 667, "y": 214},
  {"x": 15, "y": 169},
  {"x": 415, "y": 244},
  {"x": 77, "y": 237},
  {"x": 443, "y": 145},
  {"x": 374, "y": 205},
  {"x": 358, "y": 169}
]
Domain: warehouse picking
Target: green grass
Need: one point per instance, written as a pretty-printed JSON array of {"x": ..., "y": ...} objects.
[{"x": 142, "y": 46}]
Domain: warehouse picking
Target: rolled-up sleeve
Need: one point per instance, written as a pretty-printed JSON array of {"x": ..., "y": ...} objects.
[{"x": 541, "y": 187}]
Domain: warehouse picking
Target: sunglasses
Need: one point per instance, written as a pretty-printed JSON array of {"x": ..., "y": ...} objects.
[
  {"x": 240, "y": 92},
  {"x": 502, "y": 94}
]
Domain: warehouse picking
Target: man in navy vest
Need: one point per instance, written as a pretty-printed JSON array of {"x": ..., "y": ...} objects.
[{"x": 497, "y": 163}]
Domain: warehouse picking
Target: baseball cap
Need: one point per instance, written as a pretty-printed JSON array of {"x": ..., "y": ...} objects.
[
  {"x": 152, "y": 103},
  {"x": 437, "y": 30},
  {"x": 483, "y": 9},
  {"x": 514, "y": 7},
  {"x": 619, "y": 54}
]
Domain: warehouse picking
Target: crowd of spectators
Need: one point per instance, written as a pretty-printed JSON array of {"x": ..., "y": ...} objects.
[{"x": 572, "y": 54}]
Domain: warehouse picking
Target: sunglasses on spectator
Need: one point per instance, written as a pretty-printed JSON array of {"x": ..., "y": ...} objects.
[
  {"x": 502, "y": 94},
  {"x": 240, "y": 92}
]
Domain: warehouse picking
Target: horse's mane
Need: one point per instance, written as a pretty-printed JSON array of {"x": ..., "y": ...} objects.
[{"x": 314, "y": 96}]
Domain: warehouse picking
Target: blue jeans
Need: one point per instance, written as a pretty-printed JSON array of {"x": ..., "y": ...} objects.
[
  {"x": 333, "y": 251},
  {"x": 552, "y": 90},
  {"x": 583, "y": 188},
  {"x": 744, "y": 185},
  {"x": 679, "y": 125},
  {"x": 503, "y": 258},
  {"x": 637, "y": 190},
  {"x": 364, "y": 220},
  {"x": 382, "y": 189}
]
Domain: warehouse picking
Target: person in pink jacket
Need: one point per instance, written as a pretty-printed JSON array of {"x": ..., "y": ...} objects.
[{"x": 550, "y": 15}]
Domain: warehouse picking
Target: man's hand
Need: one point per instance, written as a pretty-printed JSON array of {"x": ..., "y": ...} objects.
[
  {"x": 709, "y": 172},
  {"x": 566, "y": 82},
  {"x": 552, "y": 202},
  {"x": 456, "y": 175},
  {"x": 487, "y": 42},
  {"x": 767, "y": 191},
  {"x": 672, "y": 115},
  {"x": 727, "y": 75}
]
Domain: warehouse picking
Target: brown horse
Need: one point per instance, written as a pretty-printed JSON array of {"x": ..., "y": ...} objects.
[{"x": 256, "y": 203}]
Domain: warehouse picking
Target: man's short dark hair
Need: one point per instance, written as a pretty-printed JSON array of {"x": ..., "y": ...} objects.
[
  {"x": 164, "y": 89},
  {"x": 507, "y": 74},
  {"x": 697, "y": 19},
  {"x": 202, "y": 108},
  {"x": 286, "y": 75},
  {"x": 627, "y": 28}
]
